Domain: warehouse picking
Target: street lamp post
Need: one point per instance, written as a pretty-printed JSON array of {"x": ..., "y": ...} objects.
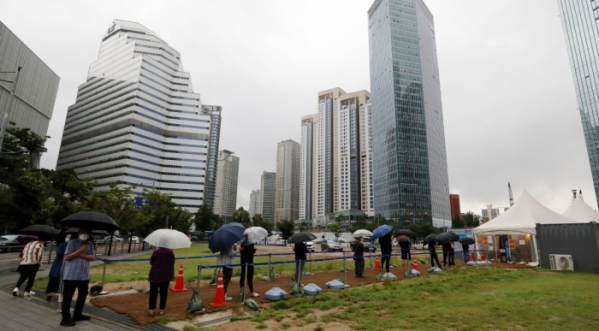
[{"x": 9, "y": 108}]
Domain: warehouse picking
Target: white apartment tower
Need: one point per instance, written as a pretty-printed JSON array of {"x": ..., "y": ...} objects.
[
  {"x": 137, "y": 121},
  {"x": 336, "y": 156},
  {"x": 255, "y": 203},
  {"x": 225, "y": 194}
]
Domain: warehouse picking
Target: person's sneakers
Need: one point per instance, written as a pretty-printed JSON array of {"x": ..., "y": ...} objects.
[
  {"x": 68, "y": 323},
  {"x": 228, "y": 298},
  {"x": 82, "y": 318},
  {"x": 15, "y": 292},
  {"x": 59, "y": 310},
  {"x": 27, "y": 295},
  {"x": 31, "y": 292}
]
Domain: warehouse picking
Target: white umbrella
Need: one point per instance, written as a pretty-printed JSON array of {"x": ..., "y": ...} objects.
[
  {"x": 168, "y": 238},
  {"x": 255, "y": 233},
  {"x": 362, "y": 233}
]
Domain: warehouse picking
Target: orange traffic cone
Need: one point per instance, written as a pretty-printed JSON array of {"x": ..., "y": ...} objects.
[
  {"x": 219, "y": 300},
  {"x": 471, "y": 257},
  {"x": 179, "y": 285},
  {"x": 416, "y": 265},
  {"x": 482, "y": 257},
  {"x": 377, "y": 264}
]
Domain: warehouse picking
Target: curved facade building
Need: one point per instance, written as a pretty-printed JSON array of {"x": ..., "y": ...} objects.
[{"x": 137, "y": 120}]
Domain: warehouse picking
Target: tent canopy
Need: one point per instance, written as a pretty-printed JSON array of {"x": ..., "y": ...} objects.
[
  {"x": 581, "y": 212},
  {"x": 522, "y": 218}
]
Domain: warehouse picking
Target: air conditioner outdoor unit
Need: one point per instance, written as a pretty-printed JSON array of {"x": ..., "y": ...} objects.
[{"x": 561, "y": 262}]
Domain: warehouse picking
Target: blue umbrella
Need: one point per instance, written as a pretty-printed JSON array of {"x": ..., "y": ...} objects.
[
  {"x": 226, "y": 236},
  {"x": 381, "y": 231}
]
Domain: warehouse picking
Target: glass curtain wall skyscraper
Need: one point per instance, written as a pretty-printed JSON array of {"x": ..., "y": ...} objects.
[
  {"x": 410, "y": 162},
  {"x": 580, "y": 20},
  {"x": 137, "y": 121}
]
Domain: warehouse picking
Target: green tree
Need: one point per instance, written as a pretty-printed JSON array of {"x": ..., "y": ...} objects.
[
  {"x": 471, "y": 220},
  {"x": 336, "y": 229},
  {"x": 378, "y": 218},
  {"x": 457, "y": 223},
  {"x": 242, "y": 216},
  {"x": 26, "y": 201},
  {"x": 421, "y": 230},
  {"x": 205, "y": 218},
  {"x": 218, "y": 222},
  {"x": 157, "y": 206},
  {"x": 15, "y": 159},
  {"x": 363, "y": 223},
  {"x": 180, "y": 219},
  {"x": 287, "y": 229}
]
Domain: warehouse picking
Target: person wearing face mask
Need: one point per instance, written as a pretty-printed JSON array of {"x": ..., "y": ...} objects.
[
  {"x": 75, "y": 276},
  {"x": 54, "y": 283}
]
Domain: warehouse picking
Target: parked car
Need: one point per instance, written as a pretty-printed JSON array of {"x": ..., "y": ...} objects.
[
  {"x": 8, "y": 242},
  {"x": 106, "y": 240},
  {"x": 368, "y": 245},
  {"x": 331, "y": 245},
  {"x": 310, "y": 246},
  {"x": 134, "y": 240}
]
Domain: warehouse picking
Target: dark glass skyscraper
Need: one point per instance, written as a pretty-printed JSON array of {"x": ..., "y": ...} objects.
[
  {"x": 410, "y": 161},
  {"x": 581, "y": 26}
]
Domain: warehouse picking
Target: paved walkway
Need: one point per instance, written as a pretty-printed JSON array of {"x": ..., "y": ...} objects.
[{"x": 18, "y": 314}]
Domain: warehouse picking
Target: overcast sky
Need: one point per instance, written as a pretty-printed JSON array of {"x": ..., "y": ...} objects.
[{"x": 508, "y": 97}]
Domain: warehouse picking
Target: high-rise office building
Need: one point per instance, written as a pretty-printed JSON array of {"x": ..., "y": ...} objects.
[
  {"x": 212, "y": 161},
  {"x": 267, "y": 195},
  {"x": 336, "y": 157},
  {"x": 255, "y": 203},
  {"x": 287, "y": 181},
  {"x": 410, "y": 161},
  {"x": 580, "y": 20},
  {"x": 225, "y": 194},
  {"x": 35, "y": 93},
  {"x": 137, "y": 121}
]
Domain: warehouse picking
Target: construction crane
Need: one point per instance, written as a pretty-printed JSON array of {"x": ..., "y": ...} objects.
[{"x": 509, "y": 188}]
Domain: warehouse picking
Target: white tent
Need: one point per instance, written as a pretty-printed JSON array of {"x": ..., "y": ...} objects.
[
  {"x": 581, "y": 212},
  {"x": 522, "y": 218}
]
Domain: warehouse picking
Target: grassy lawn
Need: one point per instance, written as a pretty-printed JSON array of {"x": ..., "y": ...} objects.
[{"x": 474, "y": 299}]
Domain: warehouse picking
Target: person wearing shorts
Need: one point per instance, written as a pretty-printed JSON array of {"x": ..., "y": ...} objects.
[{"x": 404, "y": 243}]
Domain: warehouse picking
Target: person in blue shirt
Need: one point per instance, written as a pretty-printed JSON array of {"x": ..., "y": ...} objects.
[
  {"x": 54, "y": 283},
  {"x": 75, "y": 276}
]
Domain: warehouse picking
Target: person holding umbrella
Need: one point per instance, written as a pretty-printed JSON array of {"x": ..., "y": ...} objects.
[
  {"x": 247, "y": 251},
  {"x": 161, "y": 273},
  {"x": 386, "y": 248},
  {"x": 359, "y": 257},
  {"x": 226, "y": 258},
  {"x": 30, "y": 263},
  {"x": 299, "y": 240},
  {"x": 75, "y": 276},
  {"x": 432, "y": 249},
  {"x": 466, "y": 242},
  {"x": 54, "y": 283},
  {"x": 404, "y": 243}
]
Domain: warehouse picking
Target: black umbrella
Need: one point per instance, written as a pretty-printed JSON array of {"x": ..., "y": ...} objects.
[
  {"x": 226, "y": 236},
  {"x": 301, "y": 237},
  {"x": 76, "y": 230},
  {"x": 91, "y": 220},
  {"x": 444, "y": 238},
  {"x": 454, "y": 237},
  {"x": 404, "y": 232},
  {"x": 467, "y": 241},
  {"x": 430, "y": 238},
  {"x": 40, "y": 231}
]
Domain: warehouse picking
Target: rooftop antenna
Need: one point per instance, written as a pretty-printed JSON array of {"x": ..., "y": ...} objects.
[{"x": 509, "y": 187}]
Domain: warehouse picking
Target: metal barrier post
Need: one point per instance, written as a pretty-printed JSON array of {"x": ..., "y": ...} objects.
[
  {"x": 103, "y": 278},
  {"x": 310, "y": 253},
  {"x": 199, "y": 277},
  {"x": 345, "y": 269},
  {"x": 50, "y": 255},
  {"x": 245, "y": 282},
  {"x": 269, "y": 258}
]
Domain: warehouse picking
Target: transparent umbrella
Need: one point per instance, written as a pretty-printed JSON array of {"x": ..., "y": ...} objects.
[
  {"x": 362, "y": 233},
  {"x": 168, "y": 238},
  {"x": 255, "y": 233}
]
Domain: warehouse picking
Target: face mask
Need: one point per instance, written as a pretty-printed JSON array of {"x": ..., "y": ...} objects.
[
  {"x": 67, "y": 240},
  {"x": 84, "y": 236}
]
